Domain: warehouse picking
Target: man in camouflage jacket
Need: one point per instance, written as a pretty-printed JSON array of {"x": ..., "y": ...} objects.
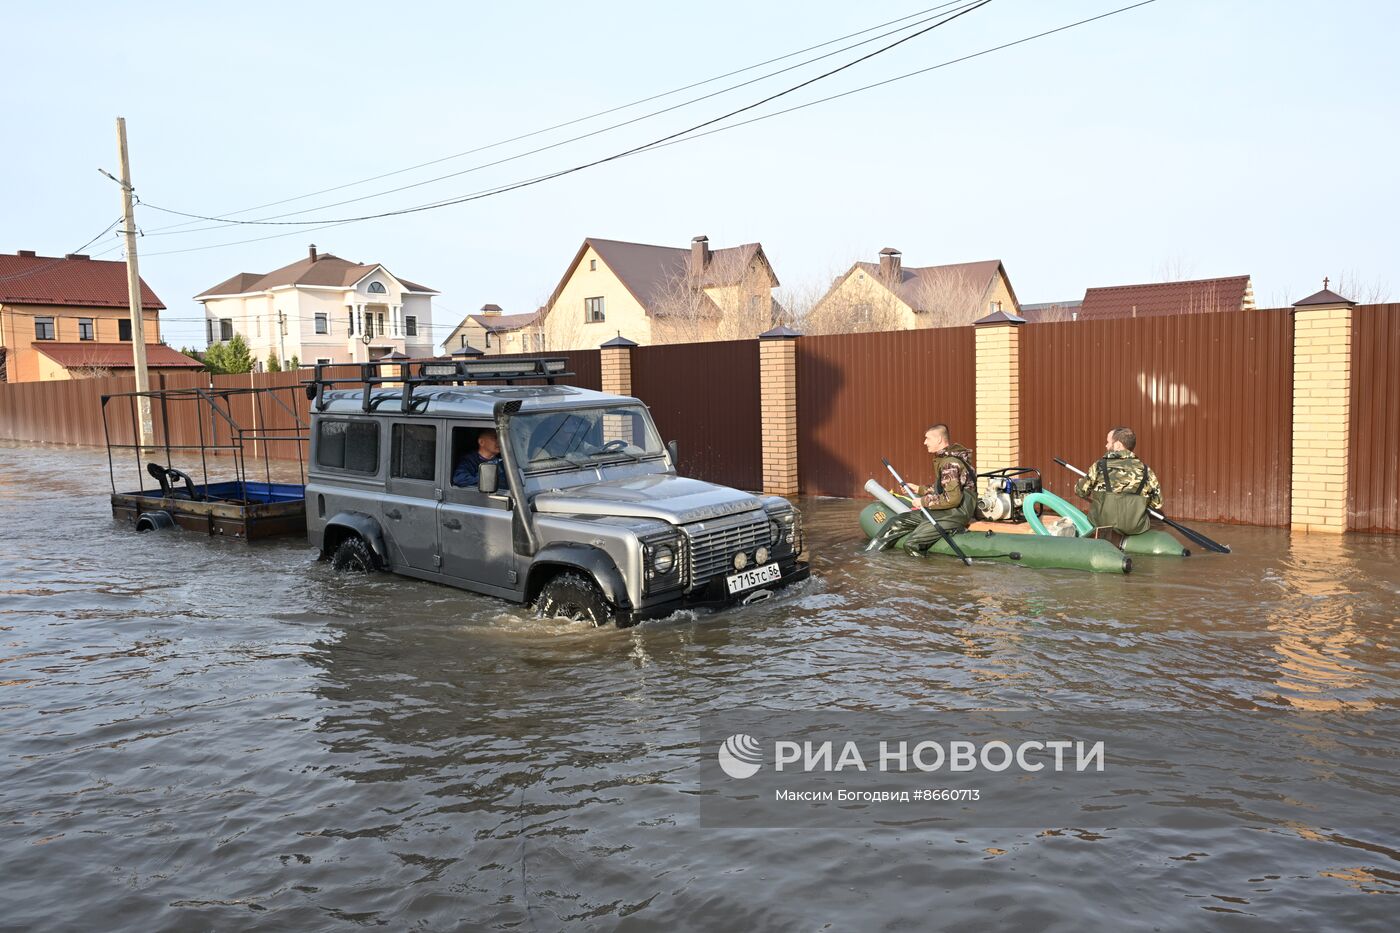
[
  {"x": 952, "y": 497},
  {"x": 1120, "y": 487}
]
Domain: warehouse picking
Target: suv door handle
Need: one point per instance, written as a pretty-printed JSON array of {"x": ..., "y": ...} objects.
[
  {"x": 395, "y": 514},
  {"x": 451, "y": 523}
]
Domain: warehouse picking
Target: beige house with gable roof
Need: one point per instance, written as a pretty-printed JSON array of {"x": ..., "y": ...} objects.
[
  {"x": 322, "y": 309},
  {"x": 494, "y": 332},
  {"x": 889, "y": 295},
  {"x": 659, "y": 294}
]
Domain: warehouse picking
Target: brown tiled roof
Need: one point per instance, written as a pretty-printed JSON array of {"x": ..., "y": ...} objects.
[
  {"x": 648, "y": 271},
  {"x": 979, "y": 274},
  {"x": 112, "y": 355},
  {"x": 49, "y": 280},
  {"x": 326, "y": 269},
  {"x": 497, "y": 323},
  {"x": 1199, "y": 296}
]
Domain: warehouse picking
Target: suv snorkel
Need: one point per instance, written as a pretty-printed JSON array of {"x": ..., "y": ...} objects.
[{"x": 523, "y": 536}]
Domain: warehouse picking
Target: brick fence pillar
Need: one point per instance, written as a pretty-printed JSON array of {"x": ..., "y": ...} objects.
[
  {"x": 998, "y": 396},
  {"x": 1321, "y": 411},
  {"x": 777, "y": 377},
  {"x": 616, "y": 363}
]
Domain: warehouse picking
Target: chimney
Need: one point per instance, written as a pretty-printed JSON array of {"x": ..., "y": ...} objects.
[
  {"x": 890, "y": 263},
  {"x": 312, "y": 253},
  {"x": 27, "y": 253},
  {"x": 75, "y": 256},
  {"x": 699, "y": 254}
]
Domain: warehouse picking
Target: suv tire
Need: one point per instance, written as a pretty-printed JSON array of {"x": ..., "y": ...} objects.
[
  {"x": 353, "y": 556},
  {"x": 575, "y": 597}
]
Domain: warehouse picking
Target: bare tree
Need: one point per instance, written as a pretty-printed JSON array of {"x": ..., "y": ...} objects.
[
  {"x": 1364, "y": 291},
  {"x": 856, "y": 304},
  {"x": 945, "y": 298},
  {"x": 1175, "y": 268},
  {"x": 732, "y": 299},
  {"x": 91, "y": 364}
]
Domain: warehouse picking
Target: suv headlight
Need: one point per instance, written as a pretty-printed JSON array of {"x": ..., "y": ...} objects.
[
  {"x": 663, "y": 564},
  {"x": 663, "y": 559},
  {"x": 785, "y": 530}
]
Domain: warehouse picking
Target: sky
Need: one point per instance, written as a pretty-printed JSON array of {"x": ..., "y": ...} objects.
[{"x": 1183, "y": 139}]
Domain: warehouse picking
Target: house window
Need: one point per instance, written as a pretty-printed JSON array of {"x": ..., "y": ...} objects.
[
  {"x": 410, "y": 327},
  {"x": 463, "y": 339},
  {"x": 593, "y": 310},
  {"x": 488, "y": 340},
  {"x": 323, "y": 359},
  {"x": 351, "y": 324},
  {"x": 377, "y": 288},
  {"x": 209, "y": 329},
  {"x": 592, "y": 265},
  {"x": 225, "y": 328},
  {"x": 124, "y": 329},
  {"x": 539, "y": 342},
  {"x": 43, "y": 328},
  {"x": 323, "y": 326},
  {"x": 862, "y": 314},
  {"x": 85, "y": 331}
]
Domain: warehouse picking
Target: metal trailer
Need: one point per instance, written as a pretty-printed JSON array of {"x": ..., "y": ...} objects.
[{"x": 235, "y": 504}]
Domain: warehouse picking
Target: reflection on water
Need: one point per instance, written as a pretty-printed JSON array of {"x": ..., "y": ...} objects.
[{"x": 199, "y": 733}]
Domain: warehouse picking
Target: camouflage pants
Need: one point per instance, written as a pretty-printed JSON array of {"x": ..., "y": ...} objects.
[{"x": 925, "y": 535}]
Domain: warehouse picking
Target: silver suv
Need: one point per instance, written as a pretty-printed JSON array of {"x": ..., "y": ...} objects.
[{"x": 582, "y": 516}]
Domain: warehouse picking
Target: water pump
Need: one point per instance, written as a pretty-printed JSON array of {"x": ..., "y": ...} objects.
[{"x": 1003, "y": 491}]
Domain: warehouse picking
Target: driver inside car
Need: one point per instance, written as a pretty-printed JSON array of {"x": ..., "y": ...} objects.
[{"x": 488, "y": 450}]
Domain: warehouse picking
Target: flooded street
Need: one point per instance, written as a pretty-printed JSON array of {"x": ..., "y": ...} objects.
[{"x": 200, "y": 733}]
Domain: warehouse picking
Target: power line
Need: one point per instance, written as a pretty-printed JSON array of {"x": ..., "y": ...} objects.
[
  {"x": 49, "y": 265},
  {"x": 688, "y": 138},
  {"x": 966, "y": 8},
  {"x": 574, "y": 121}
]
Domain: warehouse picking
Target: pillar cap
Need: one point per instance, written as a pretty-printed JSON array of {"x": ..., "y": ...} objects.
[
  {"x": 781, "y": 332},
  {"x": 619, "y": 341},
  {"x": 998, "y": 317},
  {"x": 391, "y": 357},
  {"x": 1323, "y": 299},
  {"x": 468, "y": 350}
]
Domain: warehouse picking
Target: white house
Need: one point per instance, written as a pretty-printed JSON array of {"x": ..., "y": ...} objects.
[{"x": 322, "y": 309}]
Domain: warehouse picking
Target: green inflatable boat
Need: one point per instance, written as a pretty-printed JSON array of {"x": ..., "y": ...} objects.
[{"x": 1045, "y": 551}]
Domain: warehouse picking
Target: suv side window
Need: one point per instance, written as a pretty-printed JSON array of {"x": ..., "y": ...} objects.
[
  {"x": 348, "y": 445},
  {"x": 413, "y": 453}
]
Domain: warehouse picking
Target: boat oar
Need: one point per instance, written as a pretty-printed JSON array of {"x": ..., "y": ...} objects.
[
  {"x": 912, "y": 495},
  {"x": 1195, "y": 536}
]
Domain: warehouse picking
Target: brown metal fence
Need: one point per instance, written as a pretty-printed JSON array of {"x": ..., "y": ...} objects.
[
  {"x": 705, "y": 396},
  {"x": 864, "y": 396},
  {"x": 1209, "y": 395},
  {"x": 1375, "y": 420}
]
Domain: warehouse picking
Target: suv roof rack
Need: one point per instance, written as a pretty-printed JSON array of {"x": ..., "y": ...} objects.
[{"x": 411, "y": 375}]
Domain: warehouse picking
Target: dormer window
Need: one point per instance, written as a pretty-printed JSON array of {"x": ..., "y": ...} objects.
[{"x": 377, "y": 288}]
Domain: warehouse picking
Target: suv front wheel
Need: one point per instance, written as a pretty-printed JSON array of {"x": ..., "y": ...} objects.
[
  {"x": 575, "y": 597},
  {"x": 353, "y": 556}
]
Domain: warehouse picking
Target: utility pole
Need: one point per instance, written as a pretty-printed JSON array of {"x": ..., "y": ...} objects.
[
  {"x": 282, "y": 336},
  {"x": 133, "y": 292}
]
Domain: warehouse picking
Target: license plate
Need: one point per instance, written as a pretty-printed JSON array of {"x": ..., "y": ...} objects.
[{"x": 747, "y": 579}]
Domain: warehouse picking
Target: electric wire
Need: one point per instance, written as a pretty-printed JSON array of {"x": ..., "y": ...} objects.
[
  {"x": 573, "y": 122},
  {"x": 687, "y": 138},
  {"x": 943, "y": 21}
]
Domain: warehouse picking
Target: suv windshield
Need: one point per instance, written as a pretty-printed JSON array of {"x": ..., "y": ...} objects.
[{"x": 553, "y": 440}]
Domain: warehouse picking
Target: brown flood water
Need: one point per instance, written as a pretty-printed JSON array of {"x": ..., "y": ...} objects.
[{"x": 200, "y": 734}]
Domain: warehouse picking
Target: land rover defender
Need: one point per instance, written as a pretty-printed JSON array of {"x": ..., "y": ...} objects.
[{"x": 584, "y": 517}]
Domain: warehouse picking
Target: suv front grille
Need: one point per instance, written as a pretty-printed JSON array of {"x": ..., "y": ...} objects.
[{"x": 713, "y": 544}]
